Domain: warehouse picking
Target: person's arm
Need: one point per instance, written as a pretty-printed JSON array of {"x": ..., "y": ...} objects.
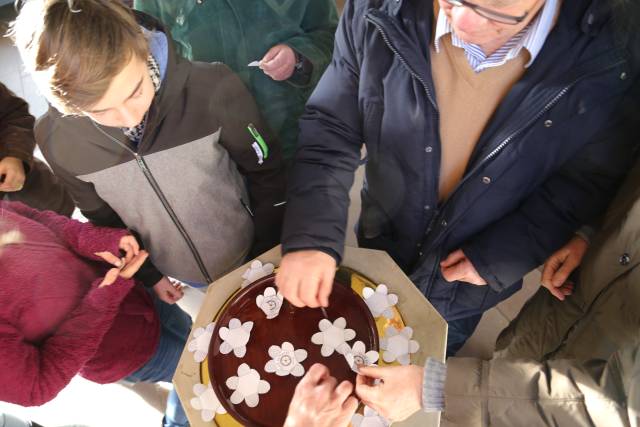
[
  {"x": 85, "y": 197},
  {"x": 322, "y": 174},
  {"x": 328, "y": 153},
  {"x": 577, "y": 194},
  {"x": 315, "y": 45},
  {"x": 259, "y": 159},
  {"x": 32, "y": 374},
  {"x": 520, "y": 392},
  {"x": 85, "y": 239},
  {"x": 16, "y": 128}
]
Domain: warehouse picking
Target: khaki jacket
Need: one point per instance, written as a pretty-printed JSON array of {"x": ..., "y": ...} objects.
[{"x": 571, "y": 363}]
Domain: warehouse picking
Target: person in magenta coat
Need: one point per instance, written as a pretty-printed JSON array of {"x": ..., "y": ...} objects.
[{"x": 71, "y": 307}]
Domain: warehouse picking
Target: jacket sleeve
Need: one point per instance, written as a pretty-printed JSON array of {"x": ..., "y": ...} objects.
[
  {"x": 577, "y": 194},
  {"x": 16, "y": 128},
  {"x": 85, "y": 239},
  {"x": 328, "y": 153},
  {"x": 558, "y": 392},
  {"x": 264, "y": 172},
  {"x": 315, "y": 45},
  {"x": 34, "y": 373},
  {"x": 89, "y": 202}
]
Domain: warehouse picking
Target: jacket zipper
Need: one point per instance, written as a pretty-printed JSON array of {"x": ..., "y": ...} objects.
[
  {"x": 385, "y": 38},
  {"x": 404, "y": 62},
  {"x": 142, "y": 164},
  {"x": 501, "y": 146}
]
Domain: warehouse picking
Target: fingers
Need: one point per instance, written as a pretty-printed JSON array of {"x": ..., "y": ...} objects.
[
  {"x": 308, "y": 292},
  {"x": 561, "y": 292},
  {"x": 173, "y": 294},
  {"x": 343, "y": 391},
  {"x": 109, "y": 278},
  {"x": 270, "y": 55},
  {"x": 349, "y": 407},
  {"x": 110, "y": 258},
  {"x": 276, "y": 61},
  {"x": 377, "y": 372},
  {"x": 551, "y": 266},
  {"x": 292, "y": 292},
  {"x": 455, "y": 273},
  {"x": 453, "y": 258},
  {"x": 10, "y": 183},
  {"x": 556, "y": 292},
  {"x": 168, "y": 291},
  {"x": 317, "y": 373},
  {"x": 562, "y": 274},
  {"x": 305, "y": 278},
  {"x": 346, "y": 403},
  {"x": 326, "y": 286},
  {"x": 132, "y": 268},
  {"x": 567, "y": 288},
  {"x": 366, "y": 393},
  {"x": 130, "y": 245},
  {"x": 328, "y": 383}
]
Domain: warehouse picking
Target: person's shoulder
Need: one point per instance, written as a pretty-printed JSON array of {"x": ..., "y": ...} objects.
[
  {"x": 212, "y": 76},
  {"x": 55, "y": 129}
]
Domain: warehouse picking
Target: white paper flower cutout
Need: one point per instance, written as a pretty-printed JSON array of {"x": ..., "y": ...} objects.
[
  {"x": 285, "y": 360},
  {"x": 359, "y": 356},
  {"x": 235, "y": 337},
  {"x": 199, "y": 345},
  {"x": 369, "y": 419},
  {"x": 248, "y": 386},
  {"x": 380, "y": 301},
  {"x": 255, "y": 272},
  {"x": 270, "y": 302},
  {"x": 398, "y": 345},
  {"x": 333, "y": 336},
  {"x": 206, "y": 402}
]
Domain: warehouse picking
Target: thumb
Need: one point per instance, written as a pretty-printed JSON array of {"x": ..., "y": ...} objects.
[
  {"x": 563, "y": 273},
  {"x": 364, "y": 391},
  {"x": 454, "y": 273},
  {"x": 376, "y": 372},
  {"x": 556, "y": 292},
  {"x": 453, "y": 258},
  {"x": 551, "y": 266},
  {"x": 270, "y": 55}
]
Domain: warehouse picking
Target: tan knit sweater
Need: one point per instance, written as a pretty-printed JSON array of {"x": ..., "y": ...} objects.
[{"x": 466, "y": 101}]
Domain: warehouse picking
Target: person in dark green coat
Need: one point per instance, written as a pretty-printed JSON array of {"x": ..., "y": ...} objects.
[{"x": 291, "y": 40}]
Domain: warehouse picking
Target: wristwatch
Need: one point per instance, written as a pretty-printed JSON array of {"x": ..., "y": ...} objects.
[{"x": 299, "y": 61}]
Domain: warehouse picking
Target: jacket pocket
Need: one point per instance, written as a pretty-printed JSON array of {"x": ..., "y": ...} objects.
[
  {"x": 372, "y": 126},
  {"x": 374, "y": 222}
]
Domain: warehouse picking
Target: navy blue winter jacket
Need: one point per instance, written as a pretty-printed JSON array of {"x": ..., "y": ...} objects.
[{"x": 549, "y": 160}]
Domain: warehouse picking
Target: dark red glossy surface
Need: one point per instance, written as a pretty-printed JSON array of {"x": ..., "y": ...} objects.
[{"x": 294, "y": 325}]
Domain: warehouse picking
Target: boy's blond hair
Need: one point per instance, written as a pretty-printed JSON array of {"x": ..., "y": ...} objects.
[{"x": 74, "y": 48}]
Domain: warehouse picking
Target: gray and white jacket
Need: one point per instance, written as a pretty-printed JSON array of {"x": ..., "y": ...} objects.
[{"x": 196, "y": 189}]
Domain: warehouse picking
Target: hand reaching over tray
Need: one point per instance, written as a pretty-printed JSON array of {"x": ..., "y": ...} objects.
[
  {"x": 319, "y": 401},
  {"x": 305, "y": 278}
]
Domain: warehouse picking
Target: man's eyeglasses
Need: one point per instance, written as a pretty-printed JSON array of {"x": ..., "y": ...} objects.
[{"x": 490, "y": 14}]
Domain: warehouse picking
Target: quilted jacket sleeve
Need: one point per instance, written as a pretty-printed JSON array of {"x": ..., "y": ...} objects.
[{"x": 509, "y": 392}]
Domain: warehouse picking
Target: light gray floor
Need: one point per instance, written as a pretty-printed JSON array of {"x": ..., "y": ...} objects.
[{"x": 86, "y": 403}]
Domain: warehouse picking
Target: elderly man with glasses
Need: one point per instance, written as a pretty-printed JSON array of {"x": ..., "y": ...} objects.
[{"x": 494, "y": 130}]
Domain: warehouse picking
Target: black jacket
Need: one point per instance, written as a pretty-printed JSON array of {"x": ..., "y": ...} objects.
[{"x": 549, "y": 160}]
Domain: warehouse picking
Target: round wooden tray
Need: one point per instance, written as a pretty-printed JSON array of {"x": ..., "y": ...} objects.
[{"x": 294, "y": 325}]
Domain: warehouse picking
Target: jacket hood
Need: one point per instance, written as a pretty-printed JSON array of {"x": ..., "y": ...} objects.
[{"x": 175, "y": 76}]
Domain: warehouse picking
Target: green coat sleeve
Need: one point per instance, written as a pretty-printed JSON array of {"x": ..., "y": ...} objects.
[
  {"x": 508, "y": 392},
  {"x": 316, "y": 44}
]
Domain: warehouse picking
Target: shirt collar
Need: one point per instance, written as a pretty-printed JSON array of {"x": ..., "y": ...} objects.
[{"x": 531, "y": 38}]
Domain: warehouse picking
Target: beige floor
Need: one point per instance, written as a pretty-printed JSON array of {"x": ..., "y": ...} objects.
[{"x": 89, "y": 404}]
